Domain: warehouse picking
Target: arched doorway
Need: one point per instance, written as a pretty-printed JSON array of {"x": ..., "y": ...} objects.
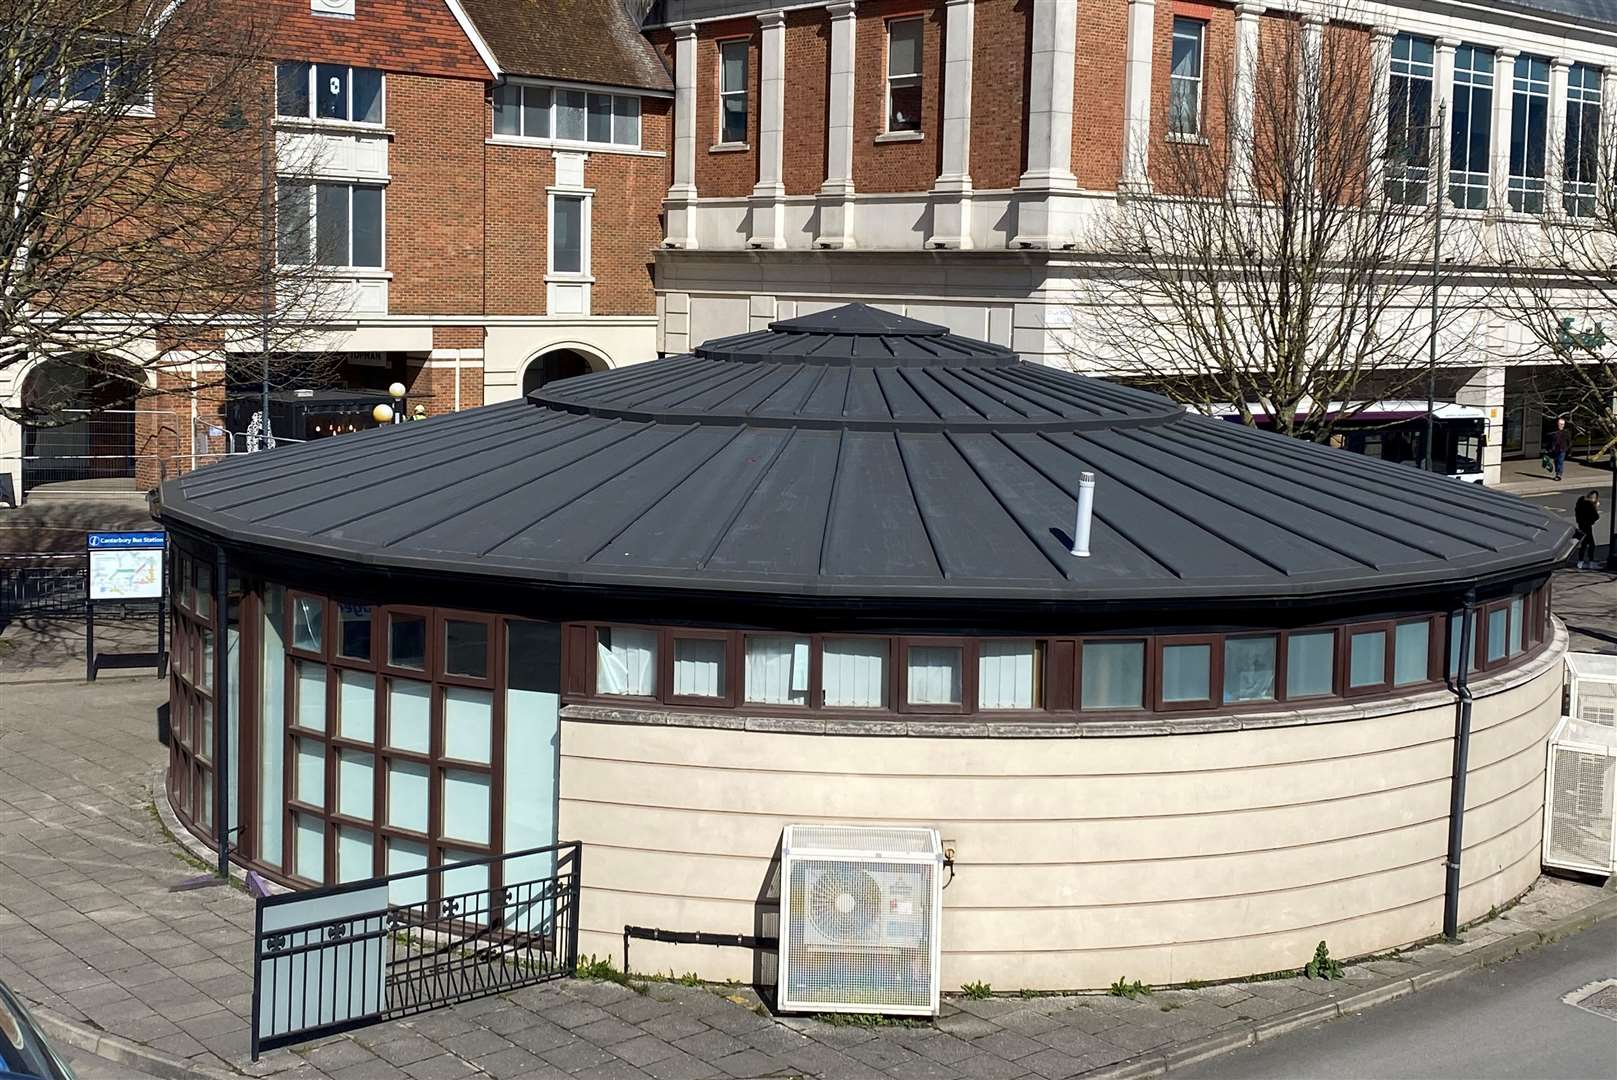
[
  {"x": 558, "y": 364},
  {"x": 79, "y": 421}
]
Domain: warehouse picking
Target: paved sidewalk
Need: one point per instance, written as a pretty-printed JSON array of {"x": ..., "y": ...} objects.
[
  {"x": 92, "y": 933},
  {"x": 1527, "y": 477}
]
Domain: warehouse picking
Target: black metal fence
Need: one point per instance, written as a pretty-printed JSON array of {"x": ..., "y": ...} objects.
[
  {"x": 43, "y": 584},
  {"x": 347, "y": 956}
]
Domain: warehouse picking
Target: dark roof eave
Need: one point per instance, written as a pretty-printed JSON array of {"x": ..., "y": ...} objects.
[{"x": 1462, "y": 575}]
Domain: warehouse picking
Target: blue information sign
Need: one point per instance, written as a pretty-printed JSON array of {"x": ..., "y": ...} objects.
[{"x": 124, "y": 541}]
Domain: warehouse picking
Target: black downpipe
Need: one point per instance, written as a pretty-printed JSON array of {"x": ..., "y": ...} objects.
[
  {"x": 221, "y": 710},
  {"x": 1462, "y": 755}
]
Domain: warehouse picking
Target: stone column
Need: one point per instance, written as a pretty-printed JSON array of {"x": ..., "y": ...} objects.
[
  {"x": 1137, "y": 96},
  {"x": 1504, "y": 97},
  {"x": 1380, "y": 93},
  {"x": 769, "y": 194},
  {"x": 836, "y": 194},
  {"x": 1311, "y": 50},
  {"x": 1041, "y": 218},
  {"x": 1555, "y": 137},
  {"x": 680, "y": 205},
  {"x": 1608, "y": 124},
  {"x": 1486, "y": 390},
  {"x": 1442, "y": 104},
  {"x": 951, "y": 194},
  {"x": 1244, "y": 98}
]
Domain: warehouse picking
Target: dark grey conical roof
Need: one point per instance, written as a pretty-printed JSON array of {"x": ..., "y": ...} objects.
[{"x": 857, "y": 453}]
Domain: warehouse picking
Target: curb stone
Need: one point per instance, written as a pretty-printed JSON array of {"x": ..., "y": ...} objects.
[
  {"x": 66, "y": 1032},
  {"x": 1157, "y": 1063}
]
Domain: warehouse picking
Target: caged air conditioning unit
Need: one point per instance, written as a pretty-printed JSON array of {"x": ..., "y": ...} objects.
[
  {"x": 860, "y": 911},
  {"x": 1579, "y": 787},
  {"x": 1592, "y": 687}
]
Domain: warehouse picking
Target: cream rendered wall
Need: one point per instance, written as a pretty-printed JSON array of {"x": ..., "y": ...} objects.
[{"x": 1158, "y": 857}]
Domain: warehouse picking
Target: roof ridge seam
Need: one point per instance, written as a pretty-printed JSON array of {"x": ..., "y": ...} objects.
[{"x": 746, "y": 498}]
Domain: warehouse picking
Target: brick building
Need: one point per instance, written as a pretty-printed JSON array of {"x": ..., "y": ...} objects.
[
  {"x": 950, "y": 159},
  {"x": 484, "y": 195}
]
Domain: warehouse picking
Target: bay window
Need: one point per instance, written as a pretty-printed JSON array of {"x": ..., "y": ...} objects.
[
  {"x": 1581, "y": 167},
  {"x": 328, "y": 224},
  {"x": 1185, "y": 78},
  {"x": 308, "y": 91},
  {"x": 1409, "y": 119},
  {"x": 531, "y": 111},
  {"x": 904, "y": 38},
  {"x": 1471, "y": 127}
]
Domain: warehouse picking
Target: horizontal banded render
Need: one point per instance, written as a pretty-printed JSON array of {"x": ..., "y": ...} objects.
[{"x": 1168, "y": 858}]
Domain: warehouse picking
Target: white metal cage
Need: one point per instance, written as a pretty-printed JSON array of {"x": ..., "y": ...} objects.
[
  {"x": 1580, "y": 783},
  {"x": 1592, "y": 686},
  {"x": 860, "y": 917}
]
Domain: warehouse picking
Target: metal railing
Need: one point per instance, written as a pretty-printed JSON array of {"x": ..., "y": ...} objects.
[
  {"x": 43, "y": 584},
  {"x": 347, "y": 956}
]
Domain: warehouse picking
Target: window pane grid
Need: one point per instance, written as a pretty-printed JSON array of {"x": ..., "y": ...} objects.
[
  {"x": 904, "y": 49},
  {"x": 732, "y": 91},
  {"x": 329, "y": 224},
  {"x": 535, "y": 112},
  {"x": 1471, "y": 127},
  {"x": 1529, "y": 125},
  {"x": 305, "y": 91},
  {"x": 1581, "y": 166},
  {"x": 1185, "y": 79}
]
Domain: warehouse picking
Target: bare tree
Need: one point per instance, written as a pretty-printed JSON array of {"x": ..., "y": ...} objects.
[
  {"x": 1280, "y": 264},
  {"x": 1562, "y": 268},
  {"x": 135, "y": 155}
]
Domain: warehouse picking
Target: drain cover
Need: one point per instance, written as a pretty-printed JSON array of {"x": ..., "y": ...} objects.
[{"x": 1599, "y": 998}]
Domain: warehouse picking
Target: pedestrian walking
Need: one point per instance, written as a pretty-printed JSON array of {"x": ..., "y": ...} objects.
[
  {"x": 1560, "y": 443},
  {"x": 1586, "y": 513}
]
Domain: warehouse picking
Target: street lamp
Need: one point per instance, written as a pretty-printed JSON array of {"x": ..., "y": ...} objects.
[
  {"x": 1436, "y": 157},
  {"x": 396, "y": 410}
]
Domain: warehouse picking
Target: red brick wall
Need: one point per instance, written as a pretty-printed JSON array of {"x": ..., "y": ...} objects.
[
  {"x": 1098, "y": 81},
  {"x": 1001, "y": 39},
  {"x": 457, "y": 337},
  {"x": 434, "y": 202},
  {"x": 894, "y": 166},
  {"x": 808, "y": 74},
  {"x": 626, "y": 225},
  {"x": 163, "y": 426},
  {"x": 729, "y": 172}
]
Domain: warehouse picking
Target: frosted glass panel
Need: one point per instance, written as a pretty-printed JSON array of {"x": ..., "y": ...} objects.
[
  {"x": 1310, "y": 664},
  {"x": 626, "y": 662},
  {"x": 1114, "y": 675},
  {"x": 310, "y": 847},
  {"x": 777, "y": 669},
  {"x": 403, "y": 856},
  {"x": 698, "y": 667},
  {"x": 409, "y": 715},
  {"x": 308, "y": 622},
  {"x": 1515, "y": 625},
  {"x": 1249, "y": 669},
  {"x": 1455, "y": 626},
  {"x": 356, "y": 707},
  {"x": 356, "y": 784},
  {"x": 407, "y": 795},
  {"x": 311, "y": 772},
  {"x": 354, "y": 853},
  {"x": 272, "y": 728},
  {"x": 468, "y": 723},
  {"x": 466, "y": 805},
  {"x": 533, "y": 664},
  {"x": 1367, "y": 659},
  {"x": 311, "y": 690},
  {"x": 1411, "y": 655},
  {"x": 1005, "y": 674},
  {"x": 934, "y": 674},
  {"x": 1186, "y": 672},
  {"x": 470, "y": 883},
  {"x": 1497, "y": 621},
  {"x": 854, "y": 673}
]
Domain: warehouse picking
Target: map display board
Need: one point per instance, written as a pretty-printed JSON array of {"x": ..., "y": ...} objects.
[{"x": 126, "y": 565}]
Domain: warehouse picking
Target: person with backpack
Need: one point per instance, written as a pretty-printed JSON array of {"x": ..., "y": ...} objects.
[{"x": 1585, "y": 513}]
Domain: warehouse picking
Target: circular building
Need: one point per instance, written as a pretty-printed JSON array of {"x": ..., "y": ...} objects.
[{"x": 823, "y": 574}]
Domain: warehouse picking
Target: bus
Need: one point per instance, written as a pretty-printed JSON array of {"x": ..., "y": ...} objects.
[{"x": 1396, "y": 431}]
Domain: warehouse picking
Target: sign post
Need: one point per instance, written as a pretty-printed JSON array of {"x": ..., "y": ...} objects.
[{"x": 124, "y": 566}]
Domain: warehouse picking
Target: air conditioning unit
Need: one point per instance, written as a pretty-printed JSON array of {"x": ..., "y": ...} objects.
[
  {"x": 1592, "y": 686},
  {"x": 1579, "y": 787},
  {"x": 860, "y": 912}
]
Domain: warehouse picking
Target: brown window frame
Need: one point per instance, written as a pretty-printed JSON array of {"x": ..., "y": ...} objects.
[
  {"x": 968, "y": 676},
  {"x": 1283, "y": 663},
  {"x": 1278, "y": 695},
  {"x": 726, "y": 697},
  {"x": 1215, "y": 671},
  {"x": 593, "y": 675},
  {"x": 1148, "y": 667},
  {"x": 1385, "y": 627},
  {"x": 1041, "y": 676},
  {"x": 809, "y": 705},
  {"x": 890, "y": 688}
]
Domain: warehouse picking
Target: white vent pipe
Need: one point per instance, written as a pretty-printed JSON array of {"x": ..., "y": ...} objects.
[{"x": 1086, "y": 514}]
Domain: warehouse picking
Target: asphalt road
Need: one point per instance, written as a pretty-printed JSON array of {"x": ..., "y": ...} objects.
[{"x": 1506, "y": 1021}]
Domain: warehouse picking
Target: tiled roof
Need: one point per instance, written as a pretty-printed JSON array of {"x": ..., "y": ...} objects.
[
  {"x": 589, "y": 41},
  {"x": 853, "y": 454}
]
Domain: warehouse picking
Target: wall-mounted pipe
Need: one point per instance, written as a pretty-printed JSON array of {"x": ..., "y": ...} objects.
[
  {"x": 1086, "y": 515},
  {"x": 1462, "y": 755}
]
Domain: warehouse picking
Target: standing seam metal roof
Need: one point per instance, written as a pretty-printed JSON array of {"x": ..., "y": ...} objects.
[{"x": 858, "y": 454}]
